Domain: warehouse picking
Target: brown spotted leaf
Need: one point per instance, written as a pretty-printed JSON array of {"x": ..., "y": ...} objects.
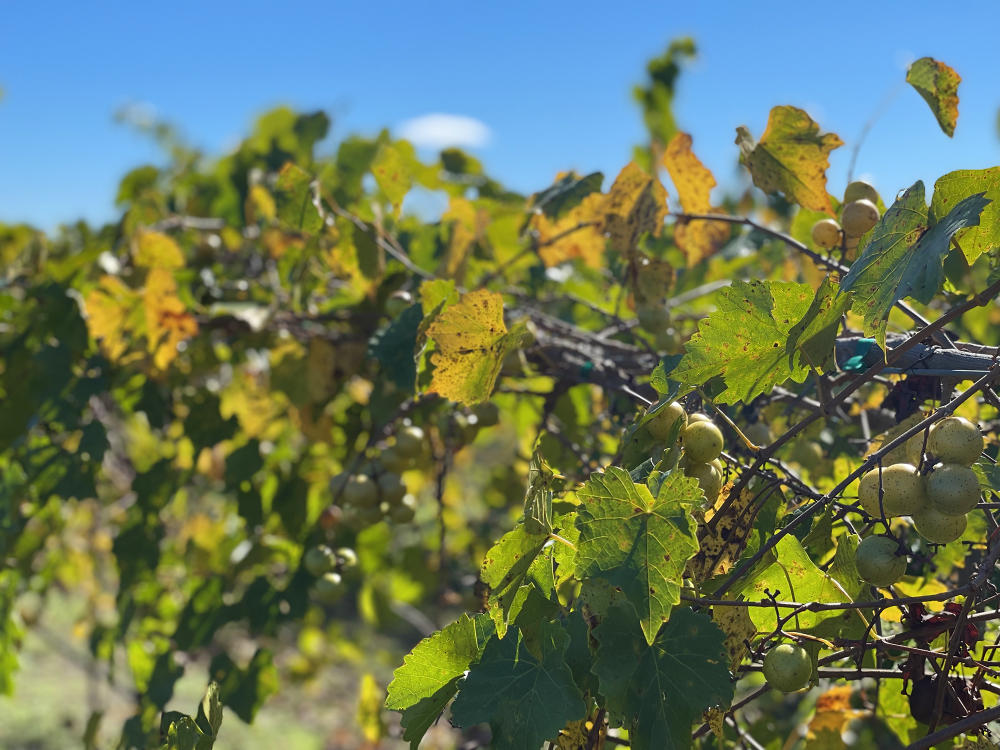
[
  {"x": 723, "y": 535},
  {"x": 636, "y": 203},
  {"x": 938, "y": 85},
  {"x": 791, "y": 157},
  {"x": 471, "y": 340}
]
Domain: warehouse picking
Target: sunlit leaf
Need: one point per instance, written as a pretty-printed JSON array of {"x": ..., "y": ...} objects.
[
  {"x": 791, "y": 157},
  {"x": 761, "y": 335},
  {"x": 293, "y": 194},
  {"x": 578, "y": 233},
  {"x": 156, "y": 250},
  {"x": 938, "y": 85},
  {"x": 392, "y": 175},
  {"x": 955, "y": 187},
  {"x": 903, "y": 257},
  {"x": 636, "y": 204},
  {"x": 638, "y": 542},
  {"x": 472, "y": 340},
  {"x": 167, "y": 321},
  {"x": 693, "y": 182}
]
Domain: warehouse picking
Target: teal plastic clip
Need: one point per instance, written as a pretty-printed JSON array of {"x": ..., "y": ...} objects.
[{"x": 856, "y": 363}]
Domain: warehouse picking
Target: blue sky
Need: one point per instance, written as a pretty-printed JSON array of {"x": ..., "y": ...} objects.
[{"x": 550, "y": 81}]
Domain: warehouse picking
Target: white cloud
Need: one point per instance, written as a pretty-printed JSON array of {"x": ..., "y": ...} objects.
[{"x": 440, "y": 130}]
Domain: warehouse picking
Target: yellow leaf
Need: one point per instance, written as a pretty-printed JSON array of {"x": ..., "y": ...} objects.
[
  {"x": 466, "y": 225},
  {"x": 260, "y": 205},
  {"x": 833, "y": 714},
  {"x": 694, "y": 183},
  {"x": 723, "y": 535},
  {"x": 636, "y": 203},
  {"x": 791, "y": 157},
  {"x": 167, "y": 321},
  {"x": 937, "y": 83},
  {"x": 109, "y": 307},
  {"x": 370, "y": 700},
  {"x": 735, "y": 622},
  {"x": 156, "y": 250},
  {"x": 560, "y": 240},
  {"x": 471, "y": 340}
]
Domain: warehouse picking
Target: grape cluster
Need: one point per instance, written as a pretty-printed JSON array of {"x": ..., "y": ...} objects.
[
  {"x": 858, "y": 214},
  {"x": 378, "y": 491},
  {"x": 701, "y": 442},
  {"x": 938, "y": 503},
  {"x": 329, "y": 567}
]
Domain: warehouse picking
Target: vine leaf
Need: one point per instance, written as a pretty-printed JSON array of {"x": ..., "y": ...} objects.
[
  {"x": 512, "y": 568},
  {"x": 938, "y": 85},
  {"x": 791, "y": 157},
  {"x": 903, "y": 257},
  {"x": 762, "y": 334},
  {"x": 167, "y": 321},
  {"x": 526, "y": 699},
  {"x": 392, "y": 175},
  {"x": 394, "y": 346},
  {"x": 156, "y": 250},
  {"x": 565, "y": 193},
  {"x": 294, "y": 198},
  {"x": 955, "y": 186},
  {"x": 637, "y": 542},
  {"x": 636, "y": 203},
  {"x": 792, "y": 576},
  {"x": 693, "y": 182},
  {"x": 659, "y": 689},
  {"x": 429, "y": 676},
  {"x": 472, "y": 341},
  {"x": 724, "y": 534},
  {"x": 578, "y": 233}
]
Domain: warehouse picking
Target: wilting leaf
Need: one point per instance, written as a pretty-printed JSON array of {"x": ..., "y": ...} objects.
[
  {"x": 791, "y": 157},
  {"x": 938, "y": 85},
  {"x": 636, "y": 203},
  {"x": 578, "y": 233},
  {"x": 472, "y": 341},
  {"x": 694, "y": 183}
]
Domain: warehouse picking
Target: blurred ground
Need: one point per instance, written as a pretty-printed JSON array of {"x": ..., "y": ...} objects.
[{"x": 55, "y": 694}]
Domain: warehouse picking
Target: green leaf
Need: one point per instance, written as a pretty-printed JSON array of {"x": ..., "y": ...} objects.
[
  {"x": 526, "y": 700},
  {"x": 659, "y": 689},
  {"x": 792, "y": 576},
  {"x": 956, "y": 186},
  {"x": 182, "y": 734},
  {"x": 293, "y": 195},
  {"x": 245, "y": 690},
  {"x": 538, "y": 497},
  {"x": 903, "y": 257},
  {"x": 392, "y": 175},
  {"x": 791, "y": 157},
  {"x": 513, "y": 563},
  {"x": 566, "y": 193},
  {"x": 394, "y": 347},
  {"x": 639, "y": 543},
  {"x": 210, "y": 711},
  {"x": 938, "y": 85},
  {"x": 763, "y": 333}
]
